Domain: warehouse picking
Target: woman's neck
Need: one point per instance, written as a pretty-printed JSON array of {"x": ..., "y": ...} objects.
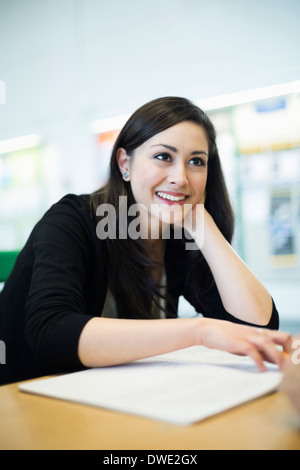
[{"x": 155, "y": 250}]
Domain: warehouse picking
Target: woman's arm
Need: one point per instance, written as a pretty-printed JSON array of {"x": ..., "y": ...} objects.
[
  {"x": 110, "y": 341},
  {"x": 243, "y": 296},
  {"x": 107, "y": 342}
]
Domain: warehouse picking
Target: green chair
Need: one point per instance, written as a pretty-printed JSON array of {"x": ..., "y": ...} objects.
[{"x": 7, "y": 261}]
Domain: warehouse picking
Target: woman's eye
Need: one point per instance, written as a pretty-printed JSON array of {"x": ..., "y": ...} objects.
[
  {"x": 164, "y": 157},
  {"x": 197, "y": 161}
]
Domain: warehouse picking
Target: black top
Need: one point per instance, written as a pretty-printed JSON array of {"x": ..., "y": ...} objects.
[{"x": 59, "y": 282}]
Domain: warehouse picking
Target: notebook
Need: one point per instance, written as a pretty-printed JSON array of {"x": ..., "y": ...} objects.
[{"x": 182, "y": 387}]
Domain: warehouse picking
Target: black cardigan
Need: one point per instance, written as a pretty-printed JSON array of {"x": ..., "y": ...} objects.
[{"x": 59, "y": 283}]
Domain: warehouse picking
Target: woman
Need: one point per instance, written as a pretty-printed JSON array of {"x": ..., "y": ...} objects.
[{"x": 88, "y": 291}]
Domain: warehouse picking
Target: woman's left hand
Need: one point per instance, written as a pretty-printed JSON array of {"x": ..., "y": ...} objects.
[{"x": 193, "y": 222}]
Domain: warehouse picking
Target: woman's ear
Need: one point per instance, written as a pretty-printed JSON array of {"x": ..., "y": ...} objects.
[{"x": 124, "y": 163}]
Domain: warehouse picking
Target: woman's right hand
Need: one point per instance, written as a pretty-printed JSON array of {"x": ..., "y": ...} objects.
[{"x": 258, "y": 343}]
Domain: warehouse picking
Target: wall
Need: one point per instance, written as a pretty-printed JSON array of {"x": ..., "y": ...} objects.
[{"x": 67, "y": 63}]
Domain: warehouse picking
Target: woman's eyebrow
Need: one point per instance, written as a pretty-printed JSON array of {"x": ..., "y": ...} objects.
[
  {"x": 174, "y": 149},
  {"x": 169, "y": 147}
]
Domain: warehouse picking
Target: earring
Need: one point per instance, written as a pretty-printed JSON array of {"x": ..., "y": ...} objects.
[{"x": 126, "y": 175}]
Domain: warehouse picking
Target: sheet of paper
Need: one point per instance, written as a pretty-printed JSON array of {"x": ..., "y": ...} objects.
[{"x": 180, "y": 387}]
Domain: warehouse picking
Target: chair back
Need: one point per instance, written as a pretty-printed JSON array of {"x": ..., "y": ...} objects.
[{"x": 7, "y": 261}]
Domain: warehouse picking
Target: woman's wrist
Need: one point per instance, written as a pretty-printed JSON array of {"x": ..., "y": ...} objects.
[
  {"x": 198, "y": 329},
  {"x": 205, "y": 230}
]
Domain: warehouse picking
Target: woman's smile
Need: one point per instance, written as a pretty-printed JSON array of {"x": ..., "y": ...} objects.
[{"x": 171, "y": 197}]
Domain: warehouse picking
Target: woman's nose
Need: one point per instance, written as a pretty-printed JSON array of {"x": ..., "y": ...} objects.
[{"x": 178, "y": 176}]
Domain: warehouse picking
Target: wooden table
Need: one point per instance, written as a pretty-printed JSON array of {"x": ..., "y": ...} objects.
[{"x": 34, "y": 422}]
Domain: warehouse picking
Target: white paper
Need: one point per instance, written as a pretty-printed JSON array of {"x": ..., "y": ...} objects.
[{"x": 180, "y": 387}]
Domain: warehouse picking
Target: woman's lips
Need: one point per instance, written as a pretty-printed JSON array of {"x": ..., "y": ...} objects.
[{"x": 171, "y": 197}]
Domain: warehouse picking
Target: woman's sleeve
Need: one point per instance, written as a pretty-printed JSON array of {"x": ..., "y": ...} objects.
[{"x": 56, "y": 303}]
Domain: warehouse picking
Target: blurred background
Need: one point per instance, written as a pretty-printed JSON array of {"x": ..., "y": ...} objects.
[{"x": 71, "y": 71}]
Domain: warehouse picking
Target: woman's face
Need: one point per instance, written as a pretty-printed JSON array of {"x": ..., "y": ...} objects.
[{"x": 169, "y": 171}]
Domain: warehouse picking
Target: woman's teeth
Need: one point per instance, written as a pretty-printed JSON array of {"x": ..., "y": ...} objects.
[{"x": 169, "y": 197}]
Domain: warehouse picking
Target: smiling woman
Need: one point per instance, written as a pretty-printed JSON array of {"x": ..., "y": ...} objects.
[
  {"x": 89, "y": 301},
  {"x": 165, "y": 173}
]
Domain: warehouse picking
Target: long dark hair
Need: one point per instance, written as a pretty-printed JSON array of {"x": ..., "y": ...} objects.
[{"x": 129, "y": 267}]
